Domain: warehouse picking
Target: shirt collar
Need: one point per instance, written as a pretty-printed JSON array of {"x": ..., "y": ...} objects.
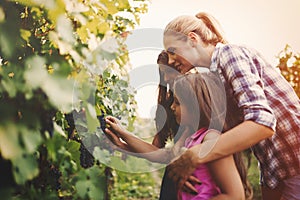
[
  {"x": 196, "y": 70},
  {"x": 192, "y": 71},
  {"x": 215, "y": 57}
]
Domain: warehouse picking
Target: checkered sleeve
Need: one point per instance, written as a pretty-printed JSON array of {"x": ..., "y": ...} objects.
[{"x": 243, "y": 73}]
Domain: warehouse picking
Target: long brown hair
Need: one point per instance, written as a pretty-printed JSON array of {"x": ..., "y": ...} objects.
[
  {"x": 208, "y": 92},
  {"x": 164, "y": 117}
]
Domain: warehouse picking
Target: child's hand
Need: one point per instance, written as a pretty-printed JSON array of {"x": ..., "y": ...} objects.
[
  {"x": 115, "y": 132},
  {"x": 115, "y": 126},
  {"x": 115, "y": 140}
]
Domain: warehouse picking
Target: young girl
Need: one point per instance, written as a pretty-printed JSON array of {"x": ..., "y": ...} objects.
[
  {"x": 195, "y": 108},
  {"x": 271, "y": 119},
  {"x": 204, "y": 92}
]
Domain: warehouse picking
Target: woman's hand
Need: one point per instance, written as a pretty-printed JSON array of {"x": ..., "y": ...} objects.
[
  {"x": 189, "y": 187},
  {"x": 181, "y": 169}
]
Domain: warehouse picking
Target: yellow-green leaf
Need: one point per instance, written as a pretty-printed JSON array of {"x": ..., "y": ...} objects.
[
  {"x": 25, "y": 168},
  {"x": 9, "y": 142},
  {"x": 25, "y": 34}
]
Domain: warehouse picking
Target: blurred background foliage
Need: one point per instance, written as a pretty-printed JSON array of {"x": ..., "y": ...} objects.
[
  {"x": 289, "y": 65},
  {"x": 63, "y": 67}
]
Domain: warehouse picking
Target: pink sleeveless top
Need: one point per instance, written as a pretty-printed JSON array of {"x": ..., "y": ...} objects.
[{"x": 208, "y": 188}]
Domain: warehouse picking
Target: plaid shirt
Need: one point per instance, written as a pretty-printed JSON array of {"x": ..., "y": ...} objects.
[{"x": 265, "y": 98}]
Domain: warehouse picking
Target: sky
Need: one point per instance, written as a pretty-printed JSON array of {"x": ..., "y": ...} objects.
[{"x": 266, "y": 25}]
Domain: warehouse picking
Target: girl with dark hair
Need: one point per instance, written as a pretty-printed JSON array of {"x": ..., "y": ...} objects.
[{"x": 167, "y": 128}]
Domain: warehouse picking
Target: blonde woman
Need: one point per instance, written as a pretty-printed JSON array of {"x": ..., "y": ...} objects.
[{"x": 271, "y": 109}]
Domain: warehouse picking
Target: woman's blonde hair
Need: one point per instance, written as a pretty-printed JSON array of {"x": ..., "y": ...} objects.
[{"x": 205, "y": 25}]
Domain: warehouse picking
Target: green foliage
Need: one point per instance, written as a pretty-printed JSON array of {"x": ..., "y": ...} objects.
[
  {"x": 59, "y": 58},
  {"x": 135, "y": 186},
  {"x": 253, "y": 177}
]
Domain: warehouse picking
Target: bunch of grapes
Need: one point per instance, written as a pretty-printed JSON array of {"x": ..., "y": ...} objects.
[
  {"x": 47, "y": 121},
  {"x": 86, "y": 158},
  {"x": 49, "y": 176},
  {"x": 71, "y": 124},
  {"x": 55, "y": 174},
  {"x": 101, "y": 119}
]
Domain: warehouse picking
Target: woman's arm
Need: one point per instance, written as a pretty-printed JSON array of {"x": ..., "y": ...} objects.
[
  {"x": 225, "y": 173},
  {"x": 237, "y": 139}
]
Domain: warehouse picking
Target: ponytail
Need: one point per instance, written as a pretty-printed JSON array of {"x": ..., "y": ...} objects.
[
  {"x": 213, "y": 25},
  {"x": 202, "y": 23}
]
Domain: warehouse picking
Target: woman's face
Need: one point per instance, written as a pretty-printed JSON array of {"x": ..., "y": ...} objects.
[
  {"x": 186, "y": 54},
  {"x": 181, "y": 53}
]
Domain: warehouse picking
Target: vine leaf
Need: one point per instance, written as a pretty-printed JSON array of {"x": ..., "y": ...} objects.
[{"x": 25, "y": 168}]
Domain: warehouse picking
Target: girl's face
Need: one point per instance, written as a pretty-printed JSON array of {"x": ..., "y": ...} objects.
[{"x": 181, "y": 112}]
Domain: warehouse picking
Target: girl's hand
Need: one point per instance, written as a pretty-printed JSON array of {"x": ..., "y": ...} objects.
[
  {"x": 115, "y": 139},
  {"x": 115, "y": 126},
  {"x": 114, "y": 132}
]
